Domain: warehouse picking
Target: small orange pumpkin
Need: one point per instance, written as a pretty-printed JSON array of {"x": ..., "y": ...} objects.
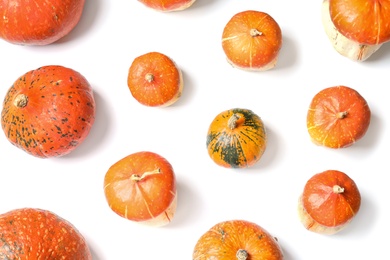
[
  {"x": 329, "y": 202},
  {"x": 236, "y": 138},
  {"x": 252, "y": 40},
  {"x": 30, "y": 233},
  {"x": 141, "y": 187},
  {"x": 49, "y": 111},
  {"x": 155, "y": 80},
  {"x": 237, "y": 239},
  {"x": 338, "y": 117}
]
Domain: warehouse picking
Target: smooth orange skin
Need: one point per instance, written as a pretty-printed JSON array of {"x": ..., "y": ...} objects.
[
  {"x": 224, "y": 239},
  {"x": 326, "y": 207},
  {"x": 166, "y": 86},
  {"x": 59, "y": 114},
  {"x": 30, "y": 233},
  {"x": 167, "y": 5},
  {"x": 251, "y": 52},
  {"x": 38, "y": 22},
  {"x": 144, "y": 199},
  {"x": 240, "y": 147},
  {"x": 364, "y": 21},
  {"x": 326, "y": 128}
]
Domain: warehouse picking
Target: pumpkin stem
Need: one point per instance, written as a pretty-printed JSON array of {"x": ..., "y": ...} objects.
[
  {"x": 254, "y": 32},
  {"x": 242, "y": 254},
  {"x": 342, "y": 115},
  {"x": 232, "y": 123},
  {"x": 149, "y": 77},
  {"x": 337, "y": 189},
  {"x": 136, "y": 177},
  {"x": 21, "y": 100}
]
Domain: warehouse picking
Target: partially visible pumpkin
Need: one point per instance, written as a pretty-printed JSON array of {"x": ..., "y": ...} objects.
[
  {"x": 31, "y": 233},
  {"x": 49, "y": 111},
  {"x": 237, "y": 239},
  {"x": 356, "y": 28},
  {"x": 155, "y": 80},
  {"x": 236, "y": 138},
  {"x": 338, "y": 117},
  {"x": 141, "y": 187},
  {"x": 329, "y": 202},
  {"x": 38, "y": 22},
  {"x": 168, "y": 5},
  {"x": 252, "y": 40}
]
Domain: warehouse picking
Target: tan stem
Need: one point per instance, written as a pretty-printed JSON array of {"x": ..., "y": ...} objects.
[
  {"x": 136, "y": 177},
  {"x": 242, "y": 254},
  {"x": 342, "y": 115},
  {"x": 149, "y": 77},
  {"x": 21, "y": 100},
  {"x": 337, "y": 189},
  {"x": 232, "y": 123},
  {"x": 254, "y": 32}
]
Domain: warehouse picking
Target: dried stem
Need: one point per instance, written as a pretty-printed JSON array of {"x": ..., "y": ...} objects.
[{"x": 136, "y": 177}]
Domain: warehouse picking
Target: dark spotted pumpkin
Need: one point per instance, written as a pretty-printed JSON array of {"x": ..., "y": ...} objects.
[
  {"x": 30, "y": 233},
  {"x": 236, "y": 138},
  {"x": 48, "y": 112}
]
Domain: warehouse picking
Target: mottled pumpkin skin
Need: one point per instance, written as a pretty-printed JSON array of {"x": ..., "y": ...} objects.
[
  {"x": 238, "y": 147},
  {"x": 30, "y": 233},
  {"x": 57, "y": 115},
  {"x": 225, "y": 239},
  {"x": 38, "y": 22}
]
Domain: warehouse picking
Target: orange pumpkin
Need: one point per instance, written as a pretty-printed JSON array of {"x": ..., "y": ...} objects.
[
  {"x": 168, "y": 5},
  {"x": 38, "y": 22},
  {"x": 49, "y": 111},
  {"x": 237, "y": 239},
  {"x": 252, "y": 40},
  {"x": 30, "y": 233},
  {"x": 155, "y": 80},
  {"x": 142, "y": 188},
  {"x": 236, "y": 138},
  {"x": 338, "y": 117},
  {"x": 329, "y": 202}
]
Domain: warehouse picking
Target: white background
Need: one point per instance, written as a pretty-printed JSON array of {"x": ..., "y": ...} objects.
[{"x": 103, "y": 45}]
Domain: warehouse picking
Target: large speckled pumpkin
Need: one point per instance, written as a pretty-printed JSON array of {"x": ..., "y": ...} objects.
[
  {"x": 30, "y": 233},
  {"x": 48, "y": 111},
  {"x": 236, "y": 138}
]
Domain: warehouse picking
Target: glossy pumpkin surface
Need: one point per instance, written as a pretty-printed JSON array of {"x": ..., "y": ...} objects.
[
  {"x": 338, "y": 117},
  {"x": 49, "y": 111},
  {"x": 154, "y": 80},
  {"x": 38, "y": 22},
  {"x": 364, "y": 21},
  {"x": 31, "y": 233},
  {"x": 252, "y": 40},
  {"x": 168, "y": 5},
  {"x": 142, "y": 187},
  {"x": 237, "y": 239},
  {"x": 330, "y": 200},
  {"x": 236, "y": 138}
]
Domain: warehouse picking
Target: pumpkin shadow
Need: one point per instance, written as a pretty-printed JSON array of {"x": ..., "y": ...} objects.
[
  {"x": 203, "y": 3},
  {"x": 363, "y": 221},
  {"x": 87, "y": 20},
  {"x": 382, "y": 54},
  {"x": 187, "y": 203},
  {"x": 97, "y": 133},
  {"x": 94, "y": 254},
  {"x": 269, "y": 153},
  {"x": 187, "y": 93},
  {"x": 288, "y": 54}
]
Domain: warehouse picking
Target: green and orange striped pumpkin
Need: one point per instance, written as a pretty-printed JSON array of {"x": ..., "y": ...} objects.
[{"x": 236, "y": 138}]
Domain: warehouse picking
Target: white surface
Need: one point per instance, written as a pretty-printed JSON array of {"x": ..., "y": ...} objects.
[{"x": 109, "y": 36}]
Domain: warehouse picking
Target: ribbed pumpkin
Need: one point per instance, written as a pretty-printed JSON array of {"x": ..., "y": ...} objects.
[
  {"x": 48, "y": 112},
  {"x": 237, "y": 239},
  {"x": 30, "y": 233},
  {"x": 236, "y": 138}
]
